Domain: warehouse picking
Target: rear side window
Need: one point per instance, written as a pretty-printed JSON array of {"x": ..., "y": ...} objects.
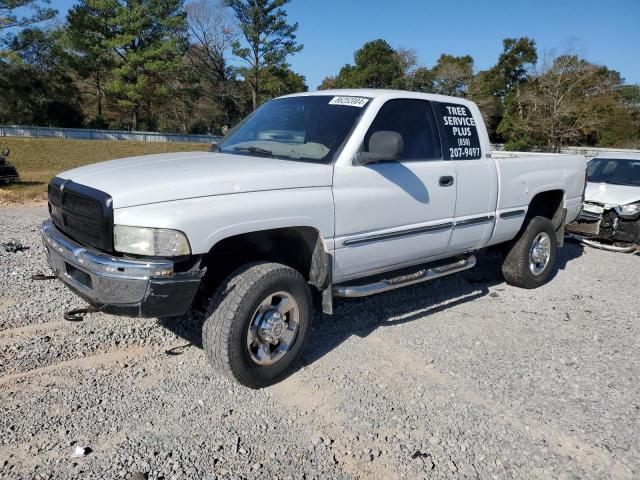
[
  {"x": 458, "y": 131},
  {"x": 414, "y": 120}
]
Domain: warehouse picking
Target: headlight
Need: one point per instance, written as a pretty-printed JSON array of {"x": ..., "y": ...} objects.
[
  {"x": 154, "y": 242},
  {"x": 630, "y": 211}
]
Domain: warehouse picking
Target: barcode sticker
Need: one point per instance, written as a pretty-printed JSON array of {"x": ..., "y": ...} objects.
[{"x": 349, "y": 101}]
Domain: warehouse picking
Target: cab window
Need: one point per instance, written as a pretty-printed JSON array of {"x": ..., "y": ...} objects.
[{"x": 414, "y": 120}]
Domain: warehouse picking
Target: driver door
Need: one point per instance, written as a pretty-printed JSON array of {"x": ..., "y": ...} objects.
[{"x": 393, "y": 213}]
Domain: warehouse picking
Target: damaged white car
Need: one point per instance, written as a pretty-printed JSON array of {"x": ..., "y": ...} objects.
[{"x": 610, "y": 218}]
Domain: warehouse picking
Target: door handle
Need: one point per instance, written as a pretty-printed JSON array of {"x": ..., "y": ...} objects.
[{"x": 446, "y": 181}]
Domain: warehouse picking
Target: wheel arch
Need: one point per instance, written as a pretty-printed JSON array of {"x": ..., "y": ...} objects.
[
  {"x": 300, "y": 247},
  {"x": 548, "y": 204}
]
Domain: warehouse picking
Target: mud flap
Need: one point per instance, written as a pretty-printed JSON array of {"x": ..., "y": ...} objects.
[
  {"x": 327, "y": 300},
  {"x": 559, "y": 223}
]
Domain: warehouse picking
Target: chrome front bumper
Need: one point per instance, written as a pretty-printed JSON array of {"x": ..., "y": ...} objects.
[{"x": 119, "y": 285}]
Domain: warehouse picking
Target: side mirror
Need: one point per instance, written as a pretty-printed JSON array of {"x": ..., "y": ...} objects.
[
  {"x": 5, "y": 152},
  {"x": 384, "y": 146}
]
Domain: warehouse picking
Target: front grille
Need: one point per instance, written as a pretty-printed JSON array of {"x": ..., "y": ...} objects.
[
  {"x": 84, "y": 226},
  {"x": 83, "y": 213},
  {"x": 87, "y": 207}
]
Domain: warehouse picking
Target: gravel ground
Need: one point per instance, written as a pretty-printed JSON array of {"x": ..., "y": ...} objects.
[{"x": 464, "y": 377}]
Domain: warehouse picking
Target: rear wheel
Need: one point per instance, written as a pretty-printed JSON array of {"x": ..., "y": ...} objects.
[
  {"x": 257, "y": 323},
  {"x": 531, "y": 257}
]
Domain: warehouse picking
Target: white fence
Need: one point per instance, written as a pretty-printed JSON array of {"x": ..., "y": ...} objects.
[
  {"x": 92, "y": 134},
  {"x": 589, "y": 152},
  {"x": 594, "y": 152}
]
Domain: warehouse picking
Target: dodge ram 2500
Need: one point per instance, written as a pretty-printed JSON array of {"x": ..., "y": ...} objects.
[{"x": 342, "y": 193}]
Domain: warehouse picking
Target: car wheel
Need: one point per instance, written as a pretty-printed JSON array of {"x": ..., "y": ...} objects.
[
  {"x": 531, "y": 257},
  {"x": 257, "y": 323}
]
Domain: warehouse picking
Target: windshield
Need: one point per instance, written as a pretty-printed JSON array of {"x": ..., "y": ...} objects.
[
  {"x": 307, "y": 128},
  {"x": 617, "y": 171}
]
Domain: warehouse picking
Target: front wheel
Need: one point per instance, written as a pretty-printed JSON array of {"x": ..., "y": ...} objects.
[
  {"x": 531, "y": 257},
  {"x": 257, "y": 323}
]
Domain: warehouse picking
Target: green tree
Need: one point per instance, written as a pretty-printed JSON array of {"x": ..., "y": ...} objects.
[
  {"x": 482, "y": 92},
  {"x": 90, "y": 57},
  {"x": 281, "y": 80},
  {"x": 629, "y": 97},
  {"x": 328, "y": 83},
  {"x": 12, "y": 13},
  {"x": 377, "y": 65},
  {"x": 268, "y": 39},
  {"x": 619, "y": 128},
  {"x": 35, "y": 83},
  {"x": 147, "y": 39},
  {"x": 518, "y": 56},
  {"x": 570, "y": 101},
  {"x": 496, "y": 88},
  {"x": 419, "y": 80}
]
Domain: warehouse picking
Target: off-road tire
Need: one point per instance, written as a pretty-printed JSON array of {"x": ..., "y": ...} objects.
[
  {"x": 230, "y": 314},
  {"x": 515, "y": 266}
]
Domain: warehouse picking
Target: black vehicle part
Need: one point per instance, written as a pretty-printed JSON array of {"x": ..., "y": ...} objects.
[
  {"x": 78, "y": 314},
  {"x": 42, "y": 276},
  {"x": 83, "y": 213},
  {"x": 8, "y": 173},
  {"x": 165, "y": 297},
  {"x": 14, "y": 246},
  {"x": 608, "y": 224},
  {"x": 178, "y": 349}
]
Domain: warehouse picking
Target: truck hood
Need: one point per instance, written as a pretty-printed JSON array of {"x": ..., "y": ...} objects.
[
  {"x": 175, "y": 176},
  {"x": 611, "y": 194}
]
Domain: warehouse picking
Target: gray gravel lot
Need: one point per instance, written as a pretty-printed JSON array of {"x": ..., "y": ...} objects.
[{"x": 464, "y": 377}]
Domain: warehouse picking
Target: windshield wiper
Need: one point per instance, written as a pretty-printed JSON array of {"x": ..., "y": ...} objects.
[{"x": 256, "y": 150}]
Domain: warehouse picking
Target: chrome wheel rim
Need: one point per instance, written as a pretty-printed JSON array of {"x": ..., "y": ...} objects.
[
  {"x": 273, "y": 329},
  {"x": 540, "y": 253}
]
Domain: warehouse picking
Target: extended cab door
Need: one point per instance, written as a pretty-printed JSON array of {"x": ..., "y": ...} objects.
[
  {"x": 465, "y": 145},
  {"x": 395, "y": 212}
]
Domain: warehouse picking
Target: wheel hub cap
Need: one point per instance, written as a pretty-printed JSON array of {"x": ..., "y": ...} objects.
[
  {"x": 273, "y": 329},
  {"x": 540, "y": 253}
]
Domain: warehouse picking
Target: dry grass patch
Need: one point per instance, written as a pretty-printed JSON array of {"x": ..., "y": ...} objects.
[{"x": 39, "y": 159}]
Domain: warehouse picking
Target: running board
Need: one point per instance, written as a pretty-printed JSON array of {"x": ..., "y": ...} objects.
[{"x": 424, "y": 275}]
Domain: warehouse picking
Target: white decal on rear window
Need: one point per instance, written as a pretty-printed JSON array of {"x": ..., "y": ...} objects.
[{"x": 349, "y": 101}]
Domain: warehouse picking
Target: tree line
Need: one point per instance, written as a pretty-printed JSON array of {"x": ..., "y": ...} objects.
[
  {"x": 160, "y": 65},
  {"x": 527, "y": 102},
  {"x": 199, "y": 66}
]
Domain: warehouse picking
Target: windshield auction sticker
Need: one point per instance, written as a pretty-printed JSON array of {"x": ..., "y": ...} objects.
[
  {"x": 349, "y": 101},
  {"x": 458, "y": 132}
]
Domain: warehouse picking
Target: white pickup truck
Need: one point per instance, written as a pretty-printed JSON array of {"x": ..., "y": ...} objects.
[{"x": 342, "y": 193}]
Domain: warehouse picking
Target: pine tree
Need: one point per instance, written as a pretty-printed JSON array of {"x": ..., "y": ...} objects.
[
  {"x": 269, "y": 39},
  {"x": 147, "y": 41}
]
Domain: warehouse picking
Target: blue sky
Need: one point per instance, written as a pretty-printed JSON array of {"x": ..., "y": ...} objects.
[{"x": 607, "y": 32}]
